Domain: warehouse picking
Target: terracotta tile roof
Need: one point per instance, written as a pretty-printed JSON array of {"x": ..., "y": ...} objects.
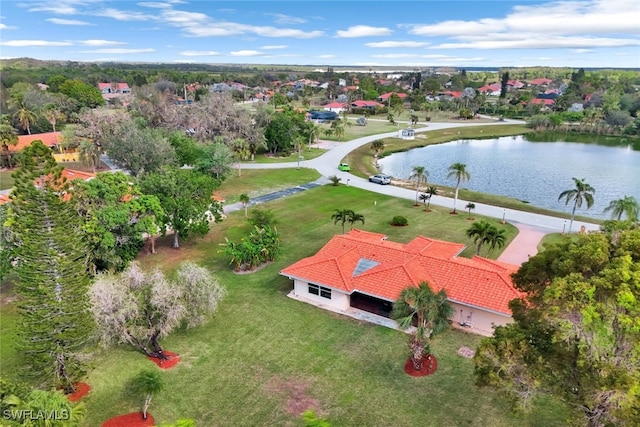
[
  {"x": 362, "y": 103},
  {"x": 4, "y": 198},
  {"x": 71, "y": 174},
  {"x": 389, "y": 267},
  {"x": 50, "y": 139},
  {"x": 387, "y": 95}
]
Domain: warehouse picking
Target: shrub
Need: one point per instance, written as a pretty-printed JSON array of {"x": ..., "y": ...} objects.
[
  {"x": 335, "y": 181},
  {"x": 262, "y": 218},
  {"x": 399, "y": 220}
]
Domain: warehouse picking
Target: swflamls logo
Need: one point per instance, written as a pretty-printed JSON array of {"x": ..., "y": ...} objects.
[{"x": 34, "y": 415}]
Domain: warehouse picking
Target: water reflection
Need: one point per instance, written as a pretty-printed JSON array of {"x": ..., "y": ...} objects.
[{"x": 536, "y": 172}]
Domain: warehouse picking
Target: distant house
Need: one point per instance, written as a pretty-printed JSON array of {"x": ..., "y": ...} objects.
[
  {"x": 540, "y": 82},
  {"x": 219, "y": 87},
  {"x": 543, "y": 101},
  {"x": 448, "y": 95},
  {"x": 386, "y": 96},
  {"x": 361, "y": 274},
  {"x": 366, "y": 104},
  {"x": 114, "y": 88},
  {"x": 493, "y": 89},
  {"x": 407, "y": 134},
  {"x": 515, "y": 84},
  {"x": 115, "y": 91},
  {"x": 50, "y": 139},
  {"x": 336, "y": 107}
]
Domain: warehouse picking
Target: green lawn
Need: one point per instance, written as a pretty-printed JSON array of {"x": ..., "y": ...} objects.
[
  {"x": 263, "y": 353},
  {"x": 6, "y": 180},
  {"x": 307, "y": 154},
  {"x": 255, "y": 182}
]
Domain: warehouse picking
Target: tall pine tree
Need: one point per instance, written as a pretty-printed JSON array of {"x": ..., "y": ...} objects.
[{"x": 52, "y": 270}]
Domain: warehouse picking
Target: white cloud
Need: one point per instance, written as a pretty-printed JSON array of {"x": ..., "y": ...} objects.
[
  {"x": 271, "y": 47},
  {"x": 246, "y": 53},
  {"x": 396, "y": 55},
  {"x": 286, "y": 19},
  {"x": 396, "y": 44},
  {"x": 33, "y": 43},
  {"x": 537, "y": 58},
  {"x": 582, "y": 51},
  {"x": 98, "y": 42},
  {"x": 123, "y": 15},
  {"x": 119, "y": 50},
  {"x": 59, "y": 21},
  {"x": 363, "y": 31},
  {"x": 542, "y": 42},
  {"x": 159, "y": 5},
  {"x": 199, "y": 53},
  {"x": 326, "y": 56},
  {"x": 6, "y": 27}
]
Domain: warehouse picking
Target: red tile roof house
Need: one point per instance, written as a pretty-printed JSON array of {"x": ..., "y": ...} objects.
[
  {"x": 360, "y": 274},
  {"x": 336, "y": 107},
  {"x": 366, "y": 104},
  {"x": 387, "y": 95},
  {"x": 50, "y": 139}
]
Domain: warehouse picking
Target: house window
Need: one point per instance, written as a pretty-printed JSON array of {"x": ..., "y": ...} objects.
[{"x": 320, "y": 290}]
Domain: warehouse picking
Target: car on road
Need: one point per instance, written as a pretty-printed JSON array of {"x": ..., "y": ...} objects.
[
  {"x": 380, "y": 179},
  {"x": 344, "y": 167}
]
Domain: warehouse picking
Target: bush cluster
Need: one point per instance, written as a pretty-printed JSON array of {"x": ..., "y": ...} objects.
[{"x": 399, "y": 220}]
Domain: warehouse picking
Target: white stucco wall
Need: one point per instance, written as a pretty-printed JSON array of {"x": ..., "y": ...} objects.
[
  {"x": 339, "y": 300},
  {"x": 482, "y": 321}
]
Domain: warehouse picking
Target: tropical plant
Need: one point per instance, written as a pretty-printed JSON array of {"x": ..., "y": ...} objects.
[
  {"x": 355, "y": 217},
  {"x": 418, "y": 174},
  {"x": 59, "y": 410},
  {"x": 470, "y": 206},
  {"x": 25, "y": 117},
  {"x": 241, "y": 151},
  {"x": 484, "y": 232},
  {"x": 429, "y": 311},
  {"x": 581, "y": 193},
  {"x": 458, "y": 171},
  {"x": 377, "y": 146},
  {"x": 628, "y": 206},
  {"x": 89, "y": 154},
  {"x": 431, "y": 191},
  {"x": 147, "y": 383},
  {"x": 244, "y": 199},
  {"x": 8, "y": 138},
  {"x": 342, "y": 216},
  {"x": 335, "y": 180},
  {"x": 262, "y": 218}
]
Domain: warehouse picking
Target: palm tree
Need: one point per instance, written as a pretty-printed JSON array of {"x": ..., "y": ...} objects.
[
  {"x": 244, "y": 199},
  {"x": 342, "y": 216},
  {"x": 147, "y": 383},
  {"x": 314, "y": 132},
  {"x": 378, "y": 146},
  {"x": 52, "y": 113},
  {"x": 582, "y": 192},
  {"x": 431, "y": 313},
  {"x": 419, "y": 174},
  {"x": 424, "y": 198},
  {"x": 431, "y": 191},
  {"x": 26, "y": 118},
  {"x": 355, "y": 217},
  {"x": 496, "y": 238},
  {"x": 627, "y": 205},
  {"x": 241, "y": 151},
  {"x": 481, "y": 233},
  {"x": 470, "y": 206},
  {"x": 458, "y": 171},
  {"x": 89, "y": 154}
]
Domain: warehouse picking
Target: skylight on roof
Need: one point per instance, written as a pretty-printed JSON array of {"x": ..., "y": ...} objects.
[{"x": 364, "y": 265}]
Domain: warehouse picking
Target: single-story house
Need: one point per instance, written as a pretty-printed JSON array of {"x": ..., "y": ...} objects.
[
  {"x": 366, "y": 104},
  {"x": 363, "y": 272},
  {"x": 540, "y": 82},
  {"x": 112, "y": 88},
  {"x": 386, "y": 96},
  {"x": 493, "y": 89},
  {"x": 336, "y": 107},
  {"x": 50, "y": 139},
  {"x": 407, "y": 134}
]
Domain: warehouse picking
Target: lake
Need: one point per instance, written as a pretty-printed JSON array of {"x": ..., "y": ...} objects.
[{"x": 536, "y": 172}]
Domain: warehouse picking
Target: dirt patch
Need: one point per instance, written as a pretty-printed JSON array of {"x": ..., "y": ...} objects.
[
  {"x": 258, "y": 268},
  {"x": 130, "y": 420},
  {"x": 169, "y": 363},
  {"x": 429, "y": 366},
  {"x": 294, "y": 393},
  {"x": 82, "y": 389}
]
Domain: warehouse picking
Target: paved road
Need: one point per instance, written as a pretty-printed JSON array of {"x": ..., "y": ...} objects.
[{"x": 327, "y": 165}]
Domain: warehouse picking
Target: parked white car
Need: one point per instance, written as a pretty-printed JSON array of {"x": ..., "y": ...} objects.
[{"x": 380, "y": 179}]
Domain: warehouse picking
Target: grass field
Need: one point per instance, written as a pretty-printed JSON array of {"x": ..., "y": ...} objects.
[
  {"x": 307, "y": 154},
  {"x": 263, "y": 356}
]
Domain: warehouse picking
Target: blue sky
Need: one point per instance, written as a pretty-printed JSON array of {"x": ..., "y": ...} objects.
[{"x": 582, "y": 33}]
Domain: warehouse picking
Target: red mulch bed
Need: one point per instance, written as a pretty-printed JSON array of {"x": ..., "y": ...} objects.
[
  {"x": 130, "y": 420},
  {"x": 173, "y": 359},
  {"x": 82, "y": 389},
  {"x": 428, "y": 367}
]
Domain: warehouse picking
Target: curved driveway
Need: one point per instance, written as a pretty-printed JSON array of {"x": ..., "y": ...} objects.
[{"x": 532, "y": 224}]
